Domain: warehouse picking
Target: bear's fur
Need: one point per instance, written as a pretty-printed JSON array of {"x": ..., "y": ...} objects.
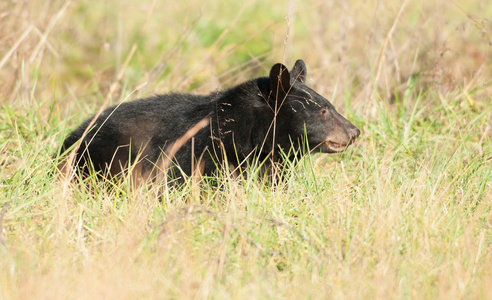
[{"x": 261, "y": 118}]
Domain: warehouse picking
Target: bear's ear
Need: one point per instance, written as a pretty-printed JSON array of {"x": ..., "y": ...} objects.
[
  {"x": 279, "y": 81},
  {"x": 299, "y": 71}
]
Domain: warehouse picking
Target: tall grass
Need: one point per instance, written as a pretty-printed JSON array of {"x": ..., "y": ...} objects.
[{"x": 404, "y": 213}]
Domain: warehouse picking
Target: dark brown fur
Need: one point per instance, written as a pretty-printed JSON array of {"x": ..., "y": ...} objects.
[{"x": 260, "y": 118}]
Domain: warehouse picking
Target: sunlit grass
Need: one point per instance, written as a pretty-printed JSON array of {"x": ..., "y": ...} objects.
[{"x": 404, "y": 213}]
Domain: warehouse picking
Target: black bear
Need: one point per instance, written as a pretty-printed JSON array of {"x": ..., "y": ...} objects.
[{"x": 268, "y": 118}]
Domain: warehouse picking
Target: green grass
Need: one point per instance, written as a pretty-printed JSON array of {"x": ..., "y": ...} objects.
[{"x": 404, "y": 213}]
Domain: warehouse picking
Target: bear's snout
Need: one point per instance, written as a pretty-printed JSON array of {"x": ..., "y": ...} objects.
[{"x": 341, "y": 137}]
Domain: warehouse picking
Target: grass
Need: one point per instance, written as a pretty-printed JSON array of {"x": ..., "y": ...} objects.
[{"x": 404, "y": 213}]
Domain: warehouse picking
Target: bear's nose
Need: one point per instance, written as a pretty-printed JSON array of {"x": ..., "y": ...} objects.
[{"x": 355, "y": 133}]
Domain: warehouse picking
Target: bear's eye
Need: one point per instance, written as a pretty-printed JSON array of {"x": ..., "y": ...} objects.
[{"x": 324, "y": 110}]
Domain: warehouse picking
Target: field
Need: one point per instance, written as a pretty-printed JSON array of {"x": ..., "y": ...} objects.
[{"x": 406, "y": 212}]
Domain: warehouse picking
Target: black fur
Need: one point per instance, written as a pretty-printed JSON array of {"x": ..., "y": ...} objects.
[{"x": 256, "y": 117}]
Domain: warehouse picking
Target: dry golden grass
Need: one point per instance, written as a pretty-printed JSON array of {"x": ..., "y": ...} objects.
[{"x": 405, "y": 213}]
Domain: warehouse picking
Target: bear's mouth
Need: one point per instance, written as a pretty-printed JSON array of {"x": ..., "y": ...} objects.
[{"x": 337, "y": 147}]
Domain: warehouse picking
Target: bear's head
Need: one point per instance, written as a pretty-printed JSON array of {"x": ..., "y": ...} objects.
[{"x": 300, "y": 111}]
